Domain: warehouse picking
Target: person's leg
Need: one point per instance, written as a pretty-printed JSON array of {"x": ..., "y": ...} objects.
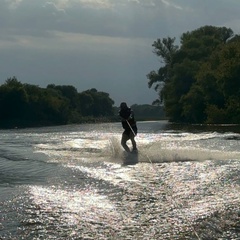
[
  {"x": 124, "y": 140},
  {"x": 134, "y": 144}
]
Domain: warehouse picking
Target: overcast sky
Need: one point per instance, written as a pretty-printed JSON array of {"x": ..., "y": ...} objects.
[{"x": 102, "y": 44}]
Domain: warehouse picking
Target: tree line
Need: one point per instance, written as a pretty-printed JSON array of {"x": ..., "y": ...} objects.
[
  {"x": 27, "y": 105},
  {"x": 199, "y": 81},
  {"x": 147, "y": 112}
]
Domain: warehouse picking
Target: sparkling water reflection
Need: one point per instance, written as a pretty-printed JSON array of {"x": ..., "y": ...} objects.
[{"x": 70, "y": 183}]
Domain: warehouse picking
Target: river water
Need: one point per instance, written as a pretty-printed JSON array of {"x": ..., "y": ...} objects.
[{"x": 75, "y": 182}]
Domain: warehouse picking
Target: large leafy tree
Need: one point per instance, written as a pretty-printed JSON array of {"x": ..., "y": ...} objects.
[
  {"x": 165, "y": 49},
  {"x": 183, "y": 97},
  {"x": 220, "y": 83}
]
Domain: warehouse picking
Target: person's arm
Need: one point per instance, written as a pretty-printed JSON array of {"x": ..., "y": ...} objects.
[{"x": 131, "y": 115}]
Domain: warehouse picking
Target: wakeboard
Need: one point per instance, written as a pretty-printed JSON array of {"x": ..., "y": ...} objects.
[{"x": 130, "y": 158}]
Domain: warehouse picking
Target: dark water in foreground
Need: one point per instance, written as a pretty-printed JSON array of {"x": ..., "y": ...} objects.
[{"x": 70, "y": 182}]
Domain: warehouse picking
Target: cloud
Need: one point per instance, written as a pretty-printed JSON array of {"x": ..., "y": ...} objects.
[
  {"x": 171, "y": 4},
  {"x": 13, "y": 4},
  {"x": 123, "y": 18},
  {"x": 90, "y": 42},
  {"x": 25, "y": 21},
  {"x": 96, "y": 4},
  {"x": 53, "y": 8}
]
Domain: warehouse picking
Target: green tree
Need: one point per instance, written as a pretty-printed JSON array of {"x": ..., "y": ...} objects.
[
  {"x": 97, "y": 104},
  {"x": 148, "y": 112},
  {"x": 26, "y": 105},
  {"x": 47, "y": 105},
  {"x": 219, "y": 80},
  {"x": 55, "y": 107},
  {"x": 165, "y": 49},
  {"x": 182, "y": 96},
  {"x": 86, "y": 101},
  {"x": 68, "y": 92},
  {"x": 13, "y": 102}
]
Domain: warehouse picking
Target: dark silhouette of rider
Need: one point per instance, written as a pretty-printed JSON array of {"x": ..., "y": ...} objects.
[{"x": 129, "y": 125}]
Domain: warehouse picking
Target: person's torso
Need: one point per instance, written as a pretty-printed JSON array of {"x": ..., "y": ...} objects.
[{"x": 128, "y": 115}]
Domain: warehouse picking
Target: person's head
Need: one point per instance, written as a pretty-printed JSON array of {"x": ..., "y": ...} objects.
[{"x": 123, "y": 105}]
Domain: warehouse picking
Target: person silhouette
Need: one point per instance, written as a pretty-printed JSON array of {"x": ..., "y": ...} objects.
[{"x": 129, "y": 125}]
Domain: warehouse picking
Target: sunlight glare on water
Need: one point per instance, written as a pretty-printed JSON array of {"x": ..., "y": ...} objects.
[
  {"x": 113, "y": 173},
  {"x": 74, "y": 205},
  {"x": 73, "y": 183}
]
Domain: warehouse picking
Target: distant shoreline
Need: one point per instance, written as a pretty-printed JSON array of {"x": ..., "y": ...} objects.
[{"x": 84, "y": 120}]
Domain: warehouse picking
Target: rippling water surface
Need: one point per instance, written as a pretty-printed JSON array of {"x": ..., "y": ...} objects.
[{"x": 75, "y": 182}]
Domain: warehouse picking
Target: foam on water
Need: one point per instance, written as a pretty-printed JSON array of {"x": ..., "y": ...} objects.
[
  {"x": 75, "y": 202},
  {"x": 153, "y": 148}
]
